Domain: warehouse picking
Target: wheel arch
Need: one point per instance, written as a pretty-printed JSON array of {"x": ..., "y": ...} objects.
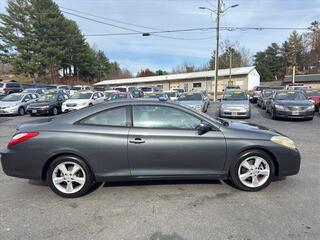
[
  {"x": 52, "y": 158},
  {"x": 267, "y": 151}
]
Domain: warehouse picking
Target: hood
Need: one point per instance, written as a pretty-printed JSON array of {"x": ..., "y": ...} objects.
[
  {"x": 302, "y": 103},
  {"x": 191, "y": 103},
  {"x": 239, "y": 103},
  {"x": 9, "y": 104},
  {"x": 77, "y": 100},
  {"x": 42, "y": 103},
  {"x": 254, "y": 128}
]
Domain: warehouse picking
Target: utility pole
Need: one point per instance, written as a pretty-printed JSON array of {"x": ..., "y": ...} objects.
[
  {"x": 230, "y": 64},
  {"x": 294, "y": 70},
  {"x": 216, "y": 58},
  {"x": 218, "y": 12}
]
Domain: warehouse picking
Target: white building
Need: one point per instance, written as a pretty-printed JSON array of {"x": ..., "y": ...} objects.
[{"x": 245, "y": 77}]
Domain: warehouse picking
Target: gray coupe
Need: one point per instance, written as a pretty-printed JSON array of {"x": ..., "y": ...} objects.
[{"x": 146, "y": 140}]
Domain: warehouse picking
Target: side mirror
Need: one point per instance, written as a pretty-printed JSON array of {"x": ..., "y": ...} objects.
[{"x": 203, "y": 128}]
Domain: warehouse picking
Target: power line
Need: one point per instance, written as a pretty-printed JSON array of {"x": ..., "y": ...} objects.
[
  {"x": 132, "y": 31},
  {"x": 109, "y": 19}
]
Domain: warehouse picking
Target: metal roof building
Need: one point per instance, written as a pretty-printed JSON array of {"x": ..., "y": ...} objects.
[{"x": 245, "y": 77}]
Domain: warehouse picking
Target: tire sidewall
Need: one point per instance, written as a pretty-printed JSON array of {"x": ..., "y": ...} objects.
[
  {"x": 21, "y": 113},
  {"x": 54, "y": 111},
  {"x": 89, "y": 176},
  {"x": 235, "y": 166}
]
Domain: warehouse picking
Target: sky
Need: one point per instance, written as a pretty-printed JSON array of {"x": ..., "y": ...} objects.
[{"x": 136, "y": 52}]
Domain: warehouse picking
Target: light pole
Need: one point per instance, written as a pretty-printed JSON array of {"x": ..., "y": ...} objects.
[{"x": 216, "y": 58}]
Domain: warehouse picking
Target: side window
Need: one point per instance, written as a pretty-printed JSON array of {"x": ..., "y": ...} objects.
[
  {"x": 112, "y": 117},
  {"x": 157, "y": 117},
  {"x": 95, "y": 96},
  {"x": 60, "y": 98},
  {"x": 26, "y": 98}
]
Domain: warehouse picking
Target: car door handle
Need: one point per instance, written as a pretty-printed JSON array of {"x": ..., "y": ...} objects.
[{"x": 137, "y": 141}]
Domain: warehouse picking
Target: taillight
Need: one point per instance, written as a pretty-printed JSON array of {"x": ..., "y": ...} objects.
[{"x": 21, "y": 137}]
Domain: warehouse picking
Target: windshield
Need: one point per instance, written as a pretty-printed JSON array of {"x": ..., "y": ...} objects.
[
  {"x": 267, "y": 93},
  {"x": 153, "y": 95},
  {"x": 191, "y": 97},
  {"x": 235, "y": 96},
  {"x": 172, "y": 94},
  {"x": 121, "y": 89},
  {"x": 313, "y": 93},
  {"x": 290, "y": 96},
  {"x": 1, "y": 85},
  {"x": 12, "y": 98},
  {"x": 261, "y": 88},
  {"x": 82, "y": 95},
  {"x": 30, "y": 90},
  {"x": 76, "y": 88},
  {"x": 117, "y": 96},
  {"x": 146, "y": 89},
  {"x": 47, "y": 98}
]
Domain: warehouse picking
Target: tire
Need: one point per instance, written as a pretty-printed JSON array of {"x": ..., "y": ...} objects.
[
  {"x": 90, "y": 104},
  {"x": 54, "y": 111},
  {"x": 70, "y": 185},
  {"x": 21, "y": 111},
  {"x": 263, "y": 173},
  {"x": 273, "y": 114},
  {"x": 267, "y": 110}
]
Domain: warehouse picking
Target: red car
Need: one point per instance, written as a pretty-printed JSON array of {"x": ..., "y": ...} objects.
[{"x": 314, "y": 94}]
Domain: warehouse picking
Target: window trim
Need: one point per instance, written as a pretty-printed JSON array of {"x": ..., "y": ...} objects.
[
  {"x": 128, "y": 118},
  {"x": 158, "y": 128}
]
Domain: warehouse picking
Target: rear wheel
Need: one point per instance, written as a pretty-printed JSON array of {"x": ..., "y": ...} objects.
[
  {"x": 69, "y": 177},
  {"x": 273, "y": 114},
  {"x": 252, "y": 171}
]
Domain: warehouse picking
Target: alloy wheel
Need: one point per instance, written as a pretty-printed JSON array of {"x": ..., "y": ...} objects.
[
  {"x": 254, "y": 171},
  {"x": 68, "y": 177}
]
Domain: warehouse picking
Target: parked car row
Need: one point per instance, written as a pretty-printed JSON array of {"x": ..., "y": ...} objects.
[{"x": 290, "y": 104}]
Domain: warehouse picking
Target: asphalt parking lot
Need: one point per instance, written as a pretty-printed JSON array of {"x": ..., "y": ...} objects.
[{"x": 287, "y": 209}]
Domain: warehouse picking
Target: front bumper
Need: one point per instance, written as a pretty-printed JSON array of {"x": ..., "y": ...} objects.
[
  {"x": 9, "y": 111},
  {"x": 294, "y": 115},
  {"x": 234, "y": 114},
  {"x": 288, "y": 161},
  {"x": 70, "y": 109},
  {"x": 38, "y": 111}
]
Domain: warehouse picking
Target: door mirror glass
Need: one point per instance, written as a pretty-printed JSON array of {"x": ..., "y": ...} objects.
[{"x": 203, "y": 128}]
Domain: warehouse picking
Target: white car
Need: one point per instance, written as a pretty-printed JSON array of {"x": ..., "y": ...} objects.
[
  {"x": 77, "y": 88},
  {"x": 173, "y": 95},
  {"x": 82, "y": 99}
]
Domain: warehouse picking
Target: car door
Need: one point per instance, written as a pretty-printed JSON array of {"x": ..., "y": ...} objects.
[
  {"x": 104, "y": 136},
  {"x": 164, "y": 142}
]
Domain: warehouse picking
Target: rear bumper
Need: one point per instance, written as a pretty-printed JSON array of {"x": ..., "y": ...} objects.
[{"x": 20, "y": 165}]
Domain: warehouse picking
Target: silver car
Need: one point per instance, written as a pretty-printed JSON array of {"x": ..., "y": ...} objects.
[
  {"x": 194, "y": 100},
  {"x": 16, "y": 103},
  {"x": 235, "y": 103}
]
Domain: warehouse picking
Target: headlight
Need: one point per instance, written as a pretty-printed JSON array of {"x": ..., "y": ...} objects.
[
  {"x": 311, "y": 108},
  {"x": 280, "y": 107},
  {"x": 284, "y": 141}
]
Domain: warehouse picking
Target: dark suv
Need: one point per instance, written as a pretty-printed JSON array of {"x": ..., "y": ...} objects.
[{"x": 8, "y": 87}]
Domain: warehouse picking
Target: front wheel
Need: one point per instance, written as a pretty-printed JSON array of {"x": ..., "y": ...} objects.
[
  {"x": 69, "y": 177},
  {"x": 252, "y": 171},
  {"x": 54, "y": 111},
  {"x": 21, "y": 111}
]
